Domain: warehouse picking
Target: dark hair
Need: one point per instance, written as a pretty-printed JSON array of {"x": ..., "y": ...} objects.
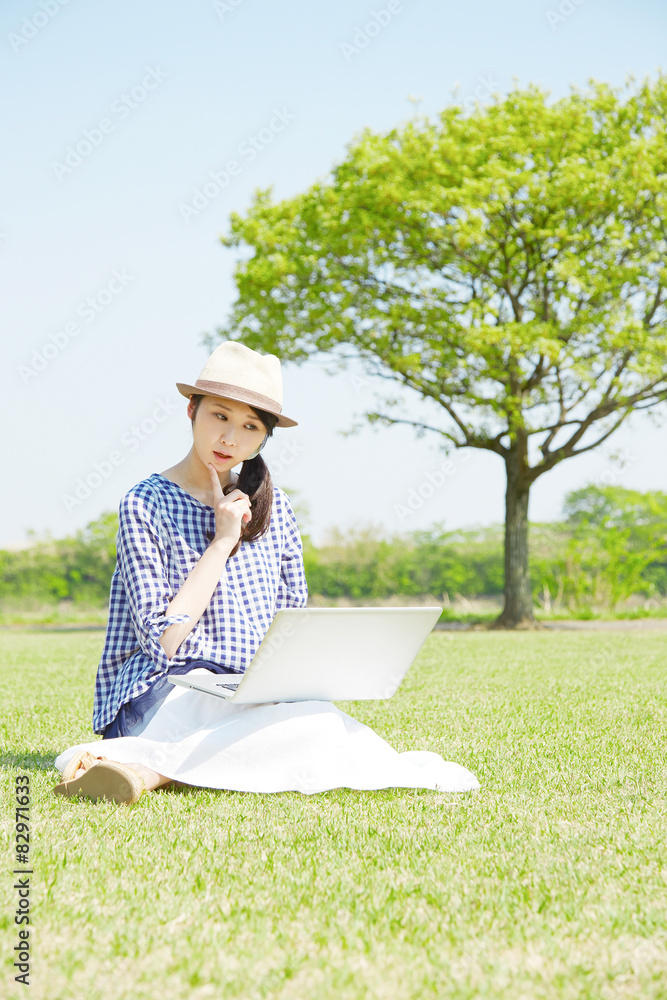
[{"x": 254, "y": 479}]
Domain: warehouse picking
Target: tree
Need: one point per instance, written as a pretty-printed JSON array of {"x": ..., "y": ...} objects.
[
  {"x": 614, "y": 507},
  {"x": 505, "y": 264},
  {"x": 78, "y": 567},
  {"x": 617, "y": 536}
]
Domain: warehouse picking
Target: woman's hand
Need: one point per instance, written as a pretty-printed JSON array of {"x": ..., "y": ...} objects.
[{"x": 230, "y": 510}]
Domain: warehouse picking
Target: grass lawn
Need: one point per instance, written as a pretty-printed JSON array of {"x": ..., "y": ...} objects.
[{"x": 550, "y": 882}]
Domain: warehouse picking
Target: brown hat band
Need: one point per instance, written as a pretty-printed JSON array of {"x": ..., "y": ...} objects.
[{"x": 233, "y": 391}]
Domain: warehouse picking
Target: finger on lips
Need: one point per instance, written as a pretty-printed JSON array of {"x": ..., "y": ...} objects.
[{"x": 231, "y": 498}]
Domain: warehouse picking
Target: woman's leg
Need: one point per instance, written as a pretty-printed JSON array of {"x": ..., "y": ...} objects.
[{"x": 152, "y": 779}]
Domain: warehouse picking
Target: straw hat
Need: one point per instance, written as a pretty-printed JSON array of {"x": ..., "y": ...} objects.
[{"x": 236, "y": 372}]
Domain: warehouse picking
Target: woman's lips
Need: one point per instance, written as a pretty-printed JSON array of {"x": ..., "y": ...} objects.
[{"x": 223, "y": 458}]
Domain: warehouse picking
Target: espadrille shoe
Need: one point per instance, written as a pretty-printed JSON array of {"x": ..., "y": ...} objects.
[
  {"x": 83, "y": 760},
  {"x": 105, "y": 779}
]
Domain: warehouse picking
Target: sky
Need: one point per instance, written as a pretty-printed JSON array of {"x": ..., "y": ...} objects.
[{"x": 119, "y": 112}]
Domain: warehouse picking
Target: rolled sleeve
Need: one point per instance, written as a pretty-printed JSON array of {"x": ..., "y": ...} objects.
[
  {"x": 142, "y": 564},
  {"x": 292, "y": 587},
  {"x": 158, "y": 623}
]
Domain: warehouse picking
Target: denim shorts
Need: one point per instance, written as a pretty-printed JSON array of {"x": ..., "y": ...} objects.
[{"x": 131, "y": 717}]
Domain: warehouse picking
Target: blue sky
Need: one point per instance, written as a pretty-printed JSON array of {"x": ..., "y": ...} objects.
[{"x": 156, "y": 96}]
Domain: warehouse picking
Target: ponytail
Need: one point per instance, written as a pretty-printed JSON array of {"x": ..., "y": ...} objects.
[{"x": 255, "y": 480}]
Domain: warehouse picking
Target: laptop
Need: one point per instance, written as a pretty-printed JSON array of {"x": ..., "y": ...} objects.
[{"x": 325, "y": 654}]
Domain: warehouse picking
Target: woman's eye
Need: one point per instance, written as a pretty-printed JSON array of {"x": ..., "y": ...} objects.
[{"x": 252, "y": 427}]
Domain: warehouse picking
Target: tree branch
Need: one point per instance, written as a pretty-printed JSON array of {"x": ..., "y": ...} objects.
[
  {"x": 657, "y": 302},
  {"x": 544, "y": 447},
  {"x": 472, "y": 440},
  {"x": 568, "y": 449},
  {"x": 418, "y": 424}
]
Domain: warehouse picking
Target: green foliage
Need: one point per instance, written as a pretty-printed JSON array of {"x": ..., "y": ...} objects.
[
  {"x": 77, "y": 568},
  {"x": 506, "y": 264},
  {"x": 616, "y": 546},
  {"x": 359, "y": 564},
  {"x": 611, "y": 544}
]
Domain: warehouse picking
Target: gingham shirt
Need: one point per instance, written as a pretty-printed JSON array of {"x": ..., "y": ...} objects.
[{"x": 162, "y": 533}]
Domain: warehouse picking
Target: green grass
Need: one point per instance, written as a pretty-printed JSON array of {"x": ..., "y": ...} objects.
[
  {"x": 550, "y": 882},
  {"x": 34, "y": 613}
]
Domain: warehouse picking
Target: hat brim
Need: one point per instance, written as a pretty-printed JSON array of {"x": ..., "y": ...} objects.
[{"x": 240, "y": 397}]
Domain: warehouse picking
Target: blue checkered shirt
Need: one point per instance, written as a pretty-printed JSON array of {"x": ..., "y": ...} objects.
[{"x": 162, "y": 533}]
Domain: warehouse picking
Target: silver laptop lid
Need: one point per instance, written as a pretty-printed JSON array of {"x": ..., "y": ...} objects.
[{"x": 335, "y": 654}]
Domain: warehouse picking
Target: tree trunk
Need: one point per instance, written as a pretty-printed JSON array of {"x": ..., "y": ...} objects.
[{"x": 518, "y": 609}]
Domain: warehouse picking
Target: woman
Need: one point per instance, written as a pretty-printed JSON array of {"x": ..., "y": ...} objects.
[{"x": 205, "y": 558}]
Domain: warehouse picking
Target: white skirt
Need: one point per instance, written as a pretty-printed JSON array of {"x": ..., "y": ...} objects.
[{"x": 307, "y": 746}]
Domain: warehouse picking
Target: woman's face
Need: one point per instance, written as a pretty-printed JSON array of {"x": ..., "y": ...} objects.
[{"x": 225, "y": 431}]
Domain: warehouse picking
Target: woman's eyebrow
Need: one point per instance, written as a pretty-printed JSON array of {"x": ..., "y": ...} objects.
[{"x": 223, "y": 407}]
